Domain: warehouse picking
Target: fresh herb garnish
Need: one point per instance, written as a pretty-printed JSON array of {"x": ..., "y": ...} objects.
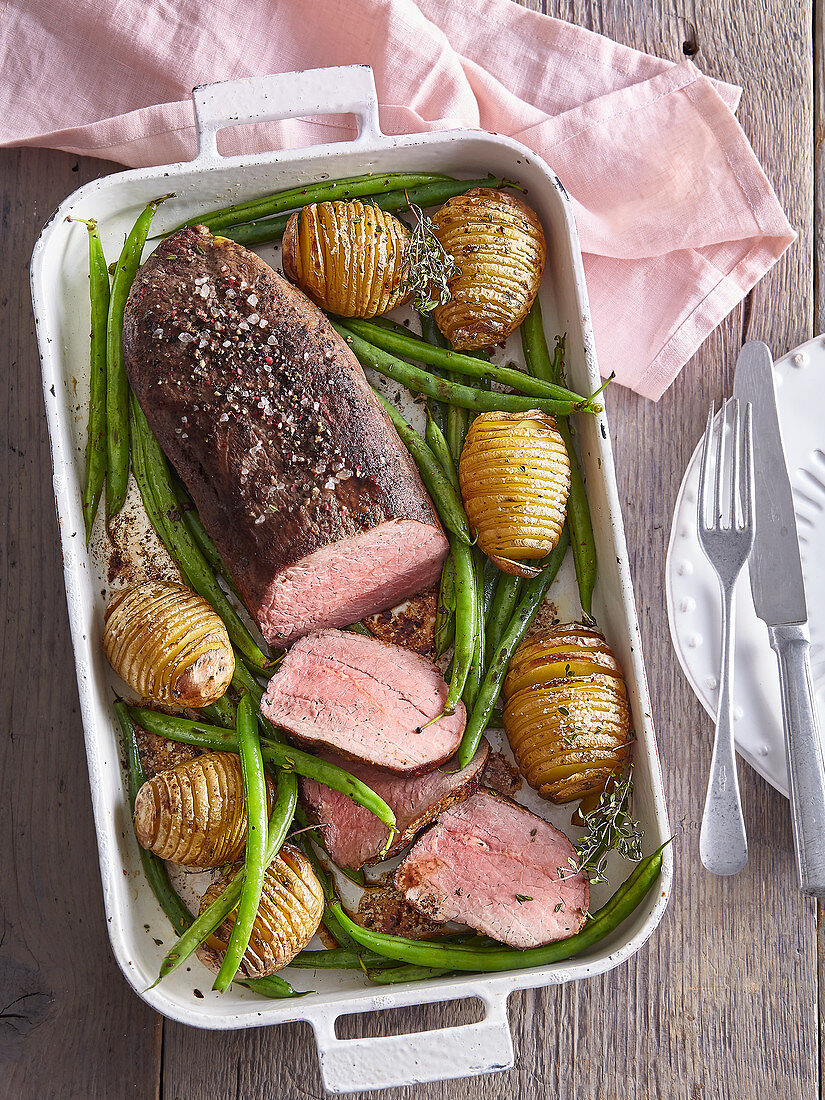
[
  {"x": 520, "y": 898},
  {"x": 610, "y": 827},
  {"x": 429, "y": 265}
]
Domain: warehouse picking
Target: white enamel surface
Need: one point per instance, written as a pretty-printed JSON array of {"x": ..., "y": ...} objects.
[
  {"x": 693, "y": 593},
  {"x": 60, "y": 290}
]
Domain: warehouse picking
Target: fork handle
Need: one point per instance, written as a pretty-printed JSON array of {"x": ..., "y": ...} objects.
[
  {"x": 723, "y": 842},
  {"x": 803, "y": 746}
]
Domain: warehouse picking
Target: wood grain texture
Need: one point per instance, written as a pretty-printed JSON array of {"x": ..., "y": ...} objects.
[{"x": 723, "y": 1001}]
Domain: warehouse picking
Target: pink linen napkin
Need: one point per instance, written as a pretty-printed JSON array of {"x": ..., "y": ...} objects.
[{"x": 677, "y": 220}]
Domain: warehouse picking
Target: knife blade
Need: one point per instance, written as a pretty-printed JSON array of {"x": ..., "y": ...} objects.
[{"x": 775, "y": 567}]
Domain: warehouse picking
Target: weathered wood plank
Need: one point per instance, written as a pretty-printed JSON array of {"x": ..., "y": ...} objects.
[{"x": 69, "y": 1024}]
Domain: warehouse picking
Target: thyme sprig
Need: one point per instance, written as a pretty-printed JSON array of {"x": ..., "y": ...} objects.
[
  {"x": 610, "y": 827},
  {"x": 429, "y": 265}
]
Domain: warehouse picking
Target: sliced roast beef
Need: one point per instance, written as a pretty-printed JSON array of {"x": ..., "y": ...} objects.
[
  {"x": 354, "y": 837},
  {"x": 499, "y": 868},
  {"x": 366, "y": 700},
  {"x": 296, "y": 471}
]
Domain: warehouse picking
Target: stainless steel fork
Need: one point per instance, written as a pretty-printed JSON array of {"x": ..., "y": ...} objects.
[{"x": 726, "y": 538}]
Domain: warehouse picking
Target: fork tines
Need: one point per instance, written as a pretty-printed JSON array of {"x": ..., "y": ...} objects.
[{"x": 732, "y": 470}]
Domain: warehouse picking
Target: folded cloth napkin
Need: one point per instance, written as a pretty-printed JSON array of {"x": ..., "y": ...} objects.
[{"x": 677, "y": 220}]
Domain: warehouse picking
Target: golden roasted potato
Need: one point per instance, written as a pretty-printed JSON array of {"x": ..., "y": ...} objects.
[
  {"x": 194, "y": 814},
  {"x": 566, "y": 713},
  {"x": 168, "y": 644},
  {"x": 515, "y": 479},
  {"x": 289, "y": 913},
  {"x": 348, "y": 257},
  {"x": 498, "y": 244}
]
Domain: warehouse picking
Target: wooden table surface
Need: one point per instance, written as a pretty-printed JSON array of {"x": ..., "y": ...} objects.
[{"x": 725, "y": 999}]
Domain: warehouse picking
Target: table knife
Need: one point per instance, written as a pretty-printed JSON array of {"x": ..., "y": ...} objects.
[{"x": 779, "y": 597}]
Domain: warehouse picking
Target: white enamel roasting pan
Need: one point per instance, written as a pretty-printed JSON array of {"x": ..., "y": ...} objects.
[{"x": 60, "y": 292}]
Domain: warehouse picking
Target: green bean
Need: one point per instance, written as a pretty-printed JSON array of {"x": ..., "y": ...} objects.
[
  {"x": 474, "y": 676},
  {"x": 96, "y": 440},
  {"x": 504, "y": 602},
  {"x": 393, "y": 975},
  {"x": 207, "y": 547},
  {"x": 451, "y": 393},
  {"x": 117, "y": 385},
  {"x": 243, "y": 680},
  {"x": 407, "y": 345},
  {"x": 158, "y": 520},
  {"x": 446, "y": 498},
  {"x": 466, "y": 622},
  {"x": 337, "y": 958},
  {"x": 537, "y": 357},
  {"x": 458, "y": 419},
  {"x": 265, "y": 230},
  {"x": 175, "y": 535},
  {"x": 273, "y": 987},
  {"x": 350, "y": 188},
  {"x": 437, "y": 443},
  {"x": 445, "y": 612},
  {"x": 524, "y": 614},
  {"x": 217, "y": 739},
  {"x": 442, "y": 413},
  {"x": 255, "y": 864},
  {"x": 491, "y": 575},
  {"x": 153, "y": 867},
  {"x": 221, "y": 711},
  {"x": 358, "y": 628},
  {"x": 490, "y": 959},
  {"x": 283, "y": 811}
]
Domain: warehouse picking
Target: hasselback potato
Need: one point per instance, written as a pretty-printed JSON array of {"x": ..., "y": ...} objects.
[
  {"x": 168, "y": 644},
  {"x": 566, "y": 712},
  {"x": 194, "y": 814},
  {"x": 348, "y": 257},
  {"x": 288, "y": 916},
  {"x": 498, "y": 244},
  {"x": 515, "y": 479}
]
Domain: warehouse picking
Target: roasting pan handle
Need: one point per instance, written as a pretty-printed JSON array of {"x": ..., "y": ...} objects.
[
  {"x": 356, "y": 1065},
  {"x": 338, "y": 90}
]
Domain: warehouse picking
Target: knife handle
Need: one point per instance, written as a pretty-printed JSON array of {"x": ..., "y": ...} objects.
[{"x": 806, "y": 761}]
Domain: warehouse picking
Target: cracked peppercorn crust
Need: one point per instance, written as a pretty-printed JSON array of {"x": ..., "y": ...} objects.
[{"x": 270, "y": 422}]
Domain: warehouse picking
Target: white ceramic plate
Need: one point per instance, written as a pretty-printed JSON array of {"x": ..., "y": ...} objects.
[{"x": 693, "y": 602}]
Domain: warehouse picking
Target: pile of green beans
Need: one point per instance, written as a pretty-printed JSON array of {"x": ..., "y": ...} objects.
[
  {"x": 154, "y": 481},
  {"x": 117, "y": 384},
  {"x": 255, "y": 851},
  {"x": 444, "y": 493},
  {"x": 531, "y": 600},
  {"x": 96, "y": 440},
  {"x": 155, "y": 869},
  {"x": 539, "y": 363},
  {"x": 407, "y": 346},
  {"x": 270, "y": 230},
  {"x": 467, "y": 957},
  {"x": 203, "y": 735},
  {"x": 452, "y": 393}
]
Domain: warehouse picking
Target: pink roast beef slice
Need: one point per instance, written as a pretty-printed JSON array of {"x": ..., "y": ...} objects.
[
  {"x": 366, "y": 700},
  {"x": 493, "y": 865},
  {"x": 296, "y": 470},
  {"x": 353, "y": 836}
]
